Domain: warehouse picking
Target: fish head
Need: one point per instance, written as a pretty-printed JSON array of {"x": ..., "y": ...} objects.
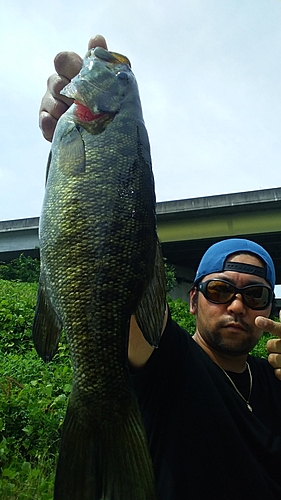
[{"x": 102, "y": 85}]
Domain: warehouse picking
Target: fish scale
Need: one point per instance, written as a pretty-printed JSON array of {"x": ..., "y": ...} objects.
[{"x": 99, "y": 251}]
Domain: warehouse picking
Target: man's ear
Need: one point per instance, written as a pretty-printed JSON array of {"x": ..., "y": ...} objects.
[{"x": 193, "y": 300}]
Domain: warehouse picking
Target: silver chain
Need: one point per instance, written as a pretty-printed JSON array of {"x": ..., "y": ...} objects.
[{"x": 237, "y": 390}]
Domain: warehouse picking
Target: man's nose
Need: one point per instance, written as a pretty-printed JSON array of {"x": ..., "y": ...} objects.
[{"x": 237, "y": 305}]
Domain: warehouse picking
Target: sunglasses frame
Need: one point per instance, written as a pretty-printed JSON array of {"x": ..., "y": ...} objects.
[{"x": 202, "y": 287}]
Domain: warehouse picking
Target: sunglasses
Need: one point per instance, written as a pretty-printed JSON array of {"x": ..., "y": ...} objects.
[{"x": 222, "y": 292}]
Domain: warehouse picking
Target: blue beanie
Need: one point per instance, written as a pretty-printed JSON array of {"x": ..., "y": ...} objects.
[{"x": 213, "y": 260}]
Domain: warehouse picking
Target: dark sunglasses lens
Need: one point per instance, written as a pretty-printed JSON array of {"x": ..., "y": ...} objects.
[
  {"x": 257, "y": 297},
  {"x": 219, "y": 292}
]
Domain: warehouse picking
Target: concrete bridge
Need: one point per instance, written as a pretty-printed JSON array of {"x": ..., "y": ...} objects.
[{"x": 186, "y": 229}]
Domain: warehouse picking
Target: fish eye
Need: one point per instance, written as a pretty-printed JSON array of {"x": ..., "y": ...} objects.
[{"x": 122, "y": 75}]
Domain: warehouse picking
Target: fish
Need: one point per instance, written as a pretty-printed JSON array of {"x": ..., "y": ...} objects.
[{"x": 100, "y": 263}]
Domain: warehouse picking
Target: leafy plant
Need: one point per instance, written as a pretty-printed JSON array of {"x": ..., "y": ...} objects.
[
  {"x": 22, "y": 268},
  {"x": 181, "y": 314},
  {"x": 171, "y": 280},
  {"x": 17, "y": 303},
  {"x": 33, "y": 399}
]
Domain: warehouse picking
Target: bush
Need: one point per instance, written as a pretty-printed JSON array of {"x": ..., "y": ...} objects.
[
  {"x": 17, "y": 304},
  {"x": 23, "y": 269},
  {"x": 181, "y": 314},
  {"x": 33, "y": 399},
  {"x": 171, "y": 280}
]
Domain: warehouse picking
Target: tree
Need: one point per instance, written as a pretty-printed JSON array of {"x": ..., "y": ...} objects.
[{"x": 22, "y": 268}]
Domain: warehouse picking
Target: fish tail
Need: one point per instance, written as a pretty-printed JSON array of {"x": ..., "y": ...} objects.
[{"x": 109, "y": 461}]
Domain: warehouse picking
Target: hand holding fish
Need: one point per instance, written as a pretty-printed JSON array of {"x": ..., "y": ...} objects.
[
  {"x": 273, "y": 345},
  {"x": 54, "y": 104}
]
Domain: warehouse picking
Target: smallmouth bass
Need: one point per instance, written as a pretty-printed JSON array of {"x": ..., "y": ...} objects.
[{"x": 99, "y": 252}]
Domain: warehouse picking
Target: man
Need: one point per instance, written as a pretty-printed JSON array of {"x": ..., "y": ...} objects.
[{"x": 212, "y": 412}]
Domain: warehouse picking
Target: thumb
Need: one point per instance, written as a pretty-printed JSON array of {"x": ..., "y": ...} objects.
[{"x": 97, "y": 41}]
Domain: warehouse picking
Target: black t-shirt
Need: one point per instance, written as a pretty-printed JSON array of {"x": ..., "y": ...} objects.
[{"x": 204, "y": 441}]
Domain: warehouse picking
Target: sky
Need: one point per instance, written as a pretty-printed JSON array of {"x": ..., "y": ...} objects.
[{"x": 209, "y": 79}]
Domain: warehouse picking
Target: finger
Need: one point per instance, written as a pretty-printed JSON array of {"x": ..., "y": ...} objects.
[
  {"x": 67, "y": 64},
  {"x": 53, "y": 102},
  {"x": 47, "y": 124},
  {"x": 278, "y": 373},
  {"x": 268, "y": 325},
  {"x": 97, "y": 41},
  {"x": 48, "y": 117},
  {"x": 53, "y": 105},
  {"x": 54, "y": 86},
  {"x": 275, "y": 360},
  {"x": 274, "y": 346}
]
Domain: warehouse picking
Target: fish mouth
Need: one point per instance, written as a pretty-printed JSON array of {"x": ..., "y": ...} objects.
[
  {"x": 71, "y": 91},
  {"x": 82, "y": 111},
  {"x": 85, "y": 114}
]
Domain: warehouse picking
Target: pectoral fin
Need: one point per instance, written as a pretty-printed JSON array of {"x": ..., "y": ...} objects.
[
  {"x": 47, "y": 327},
  {"x": 48, "y": 166},
  {"x": 72, "y": 152},
  {"x": 150, "y": 312}
]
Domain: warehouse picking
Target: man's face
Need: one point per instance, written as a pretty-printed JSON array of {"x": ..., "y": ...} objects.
[{"x": 229, "y": 328}]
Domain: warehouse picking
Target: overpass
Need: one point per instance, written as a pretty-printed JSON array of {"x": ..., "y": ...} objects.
[{"x": 186, "y": 228}]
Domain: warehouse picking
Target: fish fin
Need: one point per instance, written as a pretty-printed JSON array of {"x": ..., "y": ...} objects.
[
  {"x": 109, "y": 461},
  {"x": 47, "y": 327},
  {"x": 71, "y": 152},
  {"x": 112, "y": 57},
  {"x": 48, "y": 166},
  {"x": 119, "y": 58},
  {"x": 151, "y": 310}
]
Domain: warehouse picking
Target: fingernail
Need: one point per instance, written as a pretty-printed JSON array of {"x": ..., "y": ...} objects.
[{"x": 261, "y": 322}]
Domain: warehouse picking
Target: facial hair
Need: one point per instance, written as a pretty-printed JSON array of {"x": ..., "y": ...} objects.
[{"x": 236, "y": 347}]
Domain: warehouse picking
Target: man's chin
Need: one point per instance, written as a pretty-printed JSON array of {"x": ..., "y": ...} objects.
[
  {"x": 234, "y": 349},
  {"x": 232, "y": 345}
]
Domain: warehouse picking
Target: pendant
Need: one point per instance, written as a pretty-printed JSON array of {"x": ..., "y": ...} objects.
[{"x": 249, "y": 406}]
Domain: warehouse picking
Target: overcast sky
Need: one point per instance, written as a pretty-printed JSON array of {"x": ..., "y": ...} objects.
[{"x": 209, "y": 77}]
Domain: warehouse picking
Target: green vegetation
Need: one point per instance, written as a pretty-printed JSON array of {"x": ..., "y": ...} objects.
[
  {"x": 33, "y": 399},
  {"x": 23, "y": 269},
  {"x": 260, "y": 350},
  {"x": 33, "y": 395},
  {"x": 171, "y": 280}
]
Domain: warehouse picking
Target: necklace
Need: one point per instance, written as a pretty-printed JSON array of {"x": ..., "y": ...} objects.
[{"x": 237, "y": 390}]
